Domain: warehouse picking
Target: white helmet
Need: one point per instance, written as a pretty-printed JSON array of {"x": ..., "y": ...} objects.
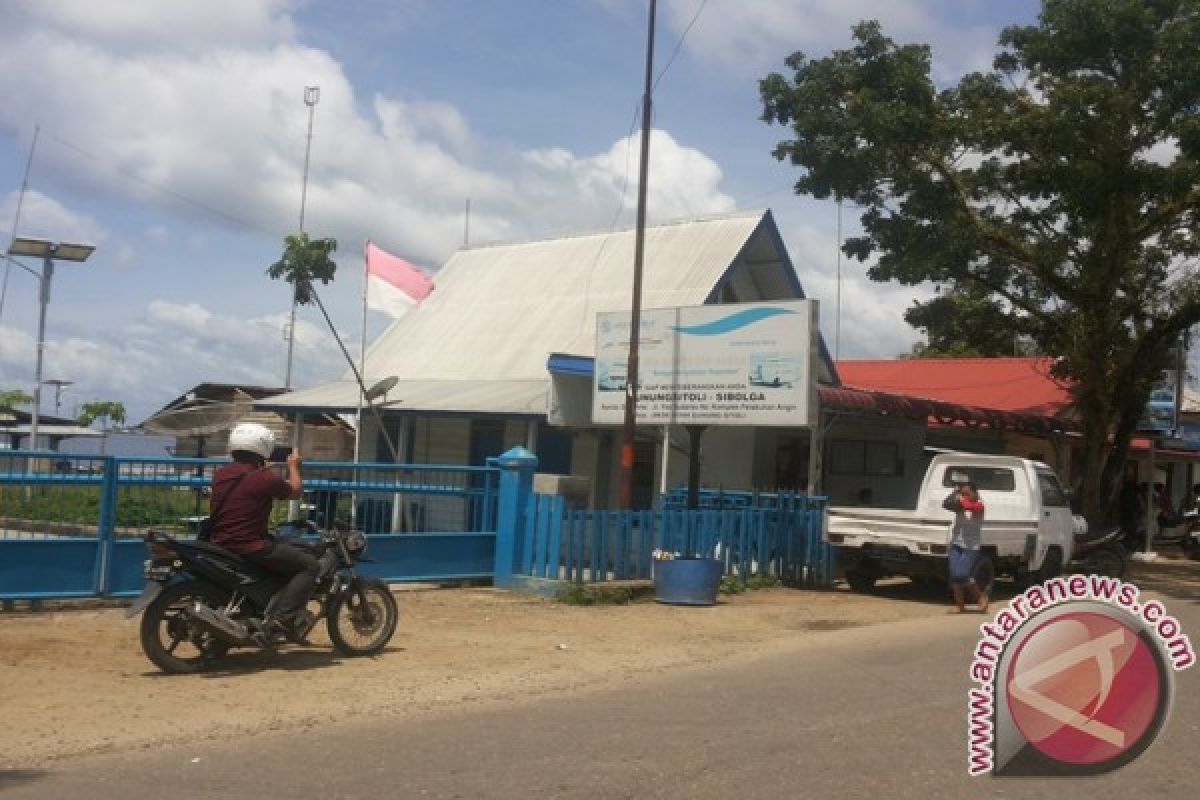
[{"x": 253, "y": 438}]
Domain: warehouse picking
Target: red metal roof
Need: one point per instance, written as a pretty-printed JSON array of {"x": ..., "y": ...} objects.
[
  {"x": 1001, "y": 393},
  {"x": 1020, "y": 385},
  {"x": 936, "y": 411}
]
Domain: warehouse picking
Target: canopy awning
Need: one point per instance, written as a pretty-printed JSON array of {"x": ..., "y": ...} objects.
[
  {"x": 939, "y": 412},
  {"x": 523, "y": 398}
]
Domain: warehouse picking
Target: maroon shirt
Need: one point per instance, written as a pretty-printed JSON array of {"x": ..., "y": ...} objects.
[{"x": 241, "y": 525}]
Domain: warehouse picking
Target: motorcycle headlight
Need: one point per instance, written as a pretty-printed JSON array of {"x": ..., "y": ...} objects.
[{"x": 356, "y": 543}]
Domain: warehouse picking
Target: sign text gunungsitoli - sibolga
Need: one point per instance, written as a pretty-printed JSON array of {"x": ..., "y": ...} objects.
[{"x": 737, "y": 364}]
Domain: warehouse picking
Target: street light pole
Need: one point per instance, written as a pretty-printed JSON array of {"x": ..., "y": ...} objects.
[
  {"x": 48, "y": 252},
  {"x": 312, "y": 95},
  {"x": 43, "y": 302}
]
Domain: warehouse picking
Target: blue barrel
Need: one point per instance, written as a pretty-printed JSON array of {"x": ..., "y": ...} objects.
[{"x": 687, "y": 581}]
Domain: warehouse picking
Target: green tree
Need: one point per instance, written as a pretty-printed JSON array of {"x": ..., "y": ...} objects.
[
  {"x": 1062, "y": 184},
  {"x": 304, "y": 261},
  {"x": 964, "y": 323},
  {"x": 111, "y": 413},
  {"x": 14, "y": 398}
]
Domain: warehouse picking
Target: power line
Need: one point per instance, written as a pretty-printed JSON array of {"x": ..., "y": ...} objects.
[
  {"x": 124, "y": 173},
  {"x": 679, "y": 44}
]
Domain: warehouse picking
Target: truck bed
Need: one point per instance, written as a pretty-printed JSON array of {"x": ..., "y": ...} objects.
[{"x": 917, "y": 533}]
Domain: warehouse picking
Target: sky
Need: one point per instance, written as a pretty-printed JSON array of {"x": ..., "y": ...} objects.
[{"x": 172, "y": 135}]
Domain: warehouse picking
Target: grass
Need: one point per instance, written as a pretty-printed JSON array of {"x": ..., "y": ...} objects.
[
  {"x": 599, "y": 594},
  {"x": 732, "y": 584},
  {"x": 137, "y": 506}
]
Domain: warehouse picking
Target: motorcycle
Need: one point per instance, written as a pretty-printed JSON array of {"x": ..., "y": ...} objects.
[
  {"x": 1099, "y": 553},
  {"x": 201, "y": 600},
  {"x": 1185, "y": 533}
]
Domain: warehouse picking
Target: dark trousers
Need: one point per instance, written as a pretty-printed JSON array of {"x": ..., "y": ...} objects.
[{"x": 301, "y": 565}]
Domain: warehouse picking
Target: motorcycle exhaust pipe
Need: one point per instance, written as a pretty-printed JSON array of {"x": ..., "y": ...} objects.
[{"x": 219, "y": 625}]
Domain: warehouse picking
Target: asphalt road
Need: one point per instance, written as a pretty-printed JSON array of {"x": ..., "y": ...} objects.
[{"x": 873, "y": 712}]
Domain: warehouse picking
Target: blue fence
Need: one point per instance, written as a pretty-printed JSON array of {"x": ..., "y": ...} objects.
[
  {"x": 72, "y": 526},
  {"x": 780, "y": 538}
]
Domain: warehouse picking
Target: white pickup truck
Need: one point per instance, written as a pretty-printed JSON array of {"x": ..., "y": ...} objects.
[{"x": 1027, "y": 529}]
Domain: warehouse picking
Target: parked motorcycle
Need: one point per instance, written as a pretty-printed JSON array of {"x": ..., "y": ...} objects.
[
  {"x": 1185, "y": 533},
  {"x": 201, "y": 600},
  {"x": 1099, "y": 553}
]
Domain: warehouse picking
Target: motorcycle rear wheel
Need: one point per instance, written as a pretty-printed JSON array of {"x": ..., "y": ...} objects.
[
  {"x": 362, "y": 630},
  {"x": 165, "y": 617},
  {"x": 1108, "y": 561}
]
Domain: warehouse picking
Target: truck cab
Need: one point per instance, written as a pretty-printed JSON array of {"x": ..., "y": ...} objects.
[{"x": 1028, "y": 526}]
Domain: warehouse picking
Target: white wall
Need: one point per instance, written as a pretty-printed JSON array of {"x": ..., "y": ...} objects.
[{"x": 897, "y": 491}]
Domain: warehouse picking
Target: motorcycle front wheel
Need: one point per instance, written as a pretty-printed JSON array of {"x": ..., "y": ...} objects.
[
  {"x": 362, "y": 629},
  {"x": 168, "y": 637}
]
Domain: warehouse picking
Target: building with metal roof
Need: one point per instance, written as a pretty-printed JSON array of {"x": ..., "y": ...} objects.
[{"x": 501, "y": 354}]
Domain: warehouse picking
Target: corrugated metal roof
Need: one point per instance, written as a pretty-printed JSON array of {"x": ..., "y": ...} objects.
[
  {"x": 939, "y": 412},
  {"x": 482, "y": 338},
  {"x": 498, "y": 397},
  {"x": 25, "y": 429},
  {"x": 1021, "y": 385}
]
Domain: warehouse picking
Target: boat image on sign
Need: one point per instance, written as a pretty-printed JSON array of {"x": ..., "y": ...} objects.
[
  {"x": 773, "y": 372},
  {"x": 612, "y": 377}
]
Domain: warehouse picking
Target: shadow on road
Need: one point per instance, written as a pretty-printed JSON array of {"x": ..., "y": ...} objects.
[
  {"x": 933, "y": 592},
  {"x": 1173, "y": 577},
  {"x": 286, "y": 660},
  {"x": 11, "y": 778}
]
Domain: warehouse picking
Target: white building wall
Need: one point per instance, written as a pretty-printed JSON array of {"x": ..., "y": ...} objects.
[{"x": 852, "y": 486}]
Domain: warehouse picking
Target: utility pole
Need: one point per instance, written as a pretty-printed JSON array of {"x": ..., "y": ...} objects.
[
  {"x": 8, "y": 261},
  {"x": 635, "y": 322},
  {"x": 312, "y": 95}
]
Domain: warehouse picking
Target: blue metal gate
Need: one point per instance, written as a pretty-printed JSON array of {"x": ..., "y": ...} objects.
[{"x": 72, "y": 526}]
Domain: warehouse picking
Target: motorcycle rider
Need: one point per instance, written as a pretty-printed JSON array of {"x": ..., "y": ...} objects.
[{"x": 244, "y": 491}]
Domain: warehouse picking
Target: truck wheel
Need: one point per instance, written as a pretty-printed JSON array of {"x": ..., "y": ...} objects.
[
  {"x": 929, "y": 583},
  {"x": 1052, "y": 565},
  {"x": 860, "y": 580}
]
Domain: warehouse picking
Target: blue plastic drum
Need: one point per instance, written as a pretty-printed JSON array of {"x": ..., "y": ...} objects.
[{"x": 687, "y": 581}]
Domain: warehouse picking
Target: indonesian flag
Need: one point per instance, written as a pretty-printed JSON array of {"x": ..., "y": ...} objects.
[{"x": 394, "y": 285}]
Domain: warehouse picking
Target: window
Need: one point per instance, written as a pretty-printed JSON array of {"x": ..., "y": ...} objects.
[
  {"x": 1052, "y": 492},
  {"x": 857, "y": 457},
  {"x": 883, "y": 458},
  {"x": 991, "y": 478}
]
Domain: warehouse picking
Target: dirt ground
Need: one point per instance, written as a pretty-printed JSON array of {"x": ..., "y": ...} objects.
[{"x": 74, "y": 682}]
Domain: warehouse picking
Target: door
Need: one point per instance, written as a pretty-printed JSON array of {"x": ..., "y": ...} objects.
[{"x": 1056, "y": 525}]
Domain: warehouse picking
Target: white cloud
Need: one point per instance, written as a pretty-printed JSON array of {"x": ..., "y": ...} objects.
[
  {"x": 218, "y": 134},
  {"x": 754, "y": 38},
  {"x": 169, "y": 348},
  {"x": 1162, "y": 153},
  {"x": 169, "y": 24},
  {"x": 872, "y": 314},
  {"x": 46, "y": 218}
]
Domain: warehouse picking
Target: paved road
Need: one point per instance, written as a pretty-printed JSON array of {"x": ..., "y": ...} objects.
[{"x": 873, "y": 712}]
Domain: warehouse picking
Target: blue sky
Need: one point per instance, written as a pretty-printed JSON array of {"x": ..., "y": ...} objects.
[{"x": 172, "y": 135}]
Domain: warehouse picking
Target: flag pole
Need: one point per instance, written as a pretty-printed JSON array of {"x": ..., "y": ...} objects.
[{"x": 362, "y": 357}]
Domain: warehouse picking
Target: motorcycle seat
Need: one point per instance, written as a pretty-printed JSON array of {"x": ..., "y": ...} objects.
[{"x": 217, "y": 550}]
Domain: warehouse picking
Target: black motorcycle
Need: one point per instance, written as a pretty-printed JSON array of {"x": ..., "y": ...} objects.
[
  {"x": 201, "y": 600},
  {"x": 1099, "y": 553}
]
